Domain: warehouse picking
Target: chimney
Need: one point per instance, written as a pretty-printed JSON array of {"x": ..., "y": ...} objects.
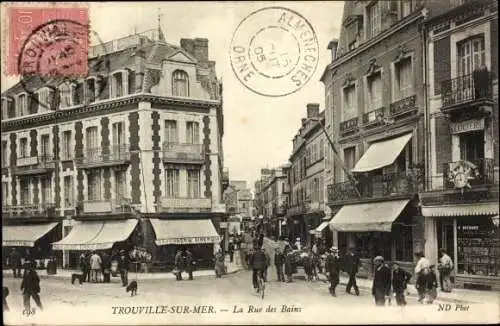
[
  {"x": 140, "y": 66},
  {"x": 332, "y": 46},
  {"x": 312, "y": 110},
  {"x": 304, "y": 121},
  {"x": 201, "y": 49},
  {"x": 188, "y": 45}
]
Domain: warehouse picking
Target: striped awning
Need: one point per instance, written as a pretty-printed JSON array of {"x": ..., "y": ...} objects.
[
  {"x": 461, "y": 210},
  {"x": 96, "y": 235},
  {"x": 177, "y": 232},
  {"x": 25, "y": 235}
]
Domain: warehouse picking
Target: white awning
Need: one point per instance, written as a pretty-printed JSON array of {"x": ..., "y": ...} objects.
[
  {"x": 321, "y": 227},
  {"x": 461, "y": 210},
  {"x": 381, "y": 154},
  {"x": 176, "y": 232},
  {"x": 96, "y": 235},
  {"x": 25, "y": 235},
  {"x": 365, "y": 217}
]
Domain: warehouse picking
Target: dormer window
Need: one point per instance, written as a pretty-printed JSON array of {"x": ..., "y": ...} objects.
[
  {"x": 21, "y": 105},
  {"x": 90, "y": 90},
  {"x": 406, "y": 7},
  {"x": 77, "y": 93},
  {"x": 65, "y": 96},
  {"x": 8, "y": 108},
  {"x": 354, "y": 26},
  {"x": 180, "y": 84},
  {"x": 119, "y": 83},
  {"x": 374, "y": 19},
  {"x": 45, "y": 98}
]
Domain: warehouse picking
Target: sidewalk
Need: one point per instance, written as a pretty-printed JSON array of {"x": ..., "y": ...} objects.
[
  {"x": 66, "y": 273},
  {"x": 457, "y": 295}
]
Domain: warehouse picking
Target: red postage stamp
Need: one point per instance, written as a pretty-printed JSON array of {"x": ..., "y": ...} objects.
[{"x": 48, "y": 41}]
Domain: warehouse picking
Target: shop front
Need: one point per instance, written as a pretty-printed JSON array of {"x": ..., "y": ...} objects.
[
  {"x": 470, "y": 235},
  {"x": 386, "y": 228}
]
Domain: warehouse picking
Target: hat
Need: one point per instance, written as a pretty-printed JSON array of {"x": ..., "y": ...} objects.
[{"x": 378, "y": 258}]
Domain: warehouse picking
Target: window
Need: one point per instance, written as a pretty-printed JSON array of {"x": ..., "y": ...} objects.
[
  {"x": 90, "y": 90},
  {"x": 192, "y": 132},
  {"x": 118, "y": 139},
  {"x": 117, "y": 85},
  {"x": 404, "y": 240},
  {"x": 349, "y": 159},
  {"x": 77, "y": 96},
  {"x": 45, "y": 147},
  {"x": 11, "y": 108},
  {"x": 22, "y": 105},
  {"x": 46, "y": 191},
  {"x": 23, "y": 147},
  {"x": 92, "y": 141},
  {"x": 69, "y": 199},
  {"x": 180, "y": 84},
  {"x": 353, "y": 31},
  {"x": 5, "y": 109},
  {"x": 321, "y": 149},
  {"x": 25, "y": 191},
  {"x": 5, "y": 159},
  {"x": 65, "y": 91},
  {"x": 406, "y": 7},
  {"x": 404, "y": 78},
  {"x": 374, "y": 22},
  {"x": 171, "y": 131},
  {"x": 193, "y": 183},
  {"x": 349, "y": 110},
  {"x": 120, "y": 184},
  {"x": 94, "y": 184},
  {"x": 45, "y": 99},
  {"x": 66, "y": 145},
  {"x": 172, "y": 183},
  {"x": 471, "y": 55},
  {"x": 5, "y": 193},
  {"x": 472, "y": 146},
  {"x": 374, "y": 94}
]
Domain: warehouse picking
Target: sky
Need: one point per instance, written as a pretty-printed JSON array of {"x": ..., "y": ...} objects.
[{"x": 258, "y": 130}]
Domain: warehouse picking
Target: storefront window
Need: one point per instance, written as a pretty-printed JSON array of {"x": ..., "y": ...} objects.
[
  {"x": 372, "y": 244},
  {"x": 403, "y": 242},
  {"x": 478, "y": 246}
]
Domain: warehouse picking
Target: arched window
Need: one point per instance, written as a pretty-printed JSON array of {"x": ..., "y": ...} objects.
[{"x": 180, "y": 83}]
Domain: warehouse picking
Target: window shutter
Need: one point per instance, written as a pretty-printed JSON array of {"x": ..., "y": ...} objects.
[
  {"x": 33, "y": 103},
  {"x": 131, "y": 82},
  {"x": 442, "y": 63},
  {"x": 443, "y": 143}
]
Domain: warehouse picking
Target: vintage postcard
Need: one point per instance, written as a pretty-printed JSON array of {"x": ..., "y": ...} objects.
[{"x": 313, "y": 162}]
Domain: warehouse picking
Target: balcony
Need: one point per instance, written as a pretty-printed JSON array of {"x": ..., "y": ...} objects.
[
  {"x": 378, "y": 186},
  {"x": 404, "y": 107},
  {"x": 104, "y": 156},
  {"x": 373, "y": 118},
  {"x": 296, "y": 210},
  {"x": 184, "y": 204},
  {"x": 349, "y": 126},
  {"x": 183, "y": 153},
  {"x": 34, "y": 165},
  {"x": 111, "y": 206},
  {"x": 467, "y": 92},
  {"x": 28, "y": 211},
  {"x": 465, "y": 174}
]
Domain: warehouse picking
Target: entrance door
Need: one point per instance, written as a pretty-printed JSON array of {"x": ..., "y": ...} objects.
[{"x": 445, "y": 240}]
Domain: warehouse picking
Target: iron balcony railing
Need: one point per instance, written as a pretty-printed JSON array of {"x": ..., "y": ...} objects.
[
  {"x": 104, "y": 155},
  {"x": 28, "y": 210},
  {"x": 403, "y": 106},
  {"x": 183, "y": 152},
  {"x": 467, "y": 88},
  {"x": 377, "y": 186},
  {"x": 37, "y": 164},
  {"x": 349, "y": 125},
  {"x": 123, "y": 205},
  {"x": 466, "y": 174},
  {"x": 373, "y": 118}
]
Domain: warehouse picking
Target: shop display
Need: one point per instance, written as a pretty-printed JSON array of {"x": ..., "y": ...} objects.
[{"x": 478, "y": 251}]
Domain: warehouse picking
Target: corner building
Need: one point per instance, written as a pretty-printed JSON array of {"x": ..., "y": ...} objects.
[{"x": 129, "y": 157}]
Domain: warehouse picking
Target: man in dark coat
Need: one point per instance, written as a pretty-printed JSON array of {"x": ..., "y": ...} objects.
[
  {"x": 230, "y": 251},
  {"x": 332, "y": 267},
  {"x": 400, "y": 279},
  {"x": 288, "y": 263},
  {"x": 106, "y": 267},
  {"x": 279, "y": 260},
  {"x": 351, "y": 265},
  {"x": 15, "y": 263},
  {"x": 259, "y": 263},
  {"x": 30, "y": 286},
  {"x": 189, "y": 264},
  {"x": 123, "y": 266},
  {"x": 179, "y": 265},
  {"x": 381, "y": 288}
]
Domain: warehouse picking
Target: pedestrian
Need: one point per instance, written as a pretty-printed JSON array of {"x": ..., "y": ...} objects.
[
  {"x": 230, "y": 250},
  {"x": 123, "y": 266},
  {"x": 15, "y": 263},
  {"x": 83, "y": 266},
  {"x": 30, "y": 286},
  {"x": 189, "y": 258},
  {"x": 106, "y": 267},
  {"x": 87, "y": 265},
  {"x": 430, "y": 284},
  {"x": 5, "y": 292},
  {"x": 95, "y": 266},
  {"x": 259, "y": 263},
  {"x": 445, "y": 268},
  {"x": 288, "y": 263},
  {"x": 332, "y": 269},
  {"x": 381, "y": 288},
  {"x": 179, "y": 265},
  {"x": 351, "y": 265},
  {"x": 279, "y": 261},
  {"x": 400, "y": 279},
  {"x": 219, "y": 264},
  {"x": 298, "y": 244},
  {"x": 421, "y": 269}
]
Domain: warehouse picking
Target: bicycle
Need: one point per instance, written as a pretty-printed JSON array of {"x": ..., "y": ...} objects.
[{"x": 261, "y": 284}]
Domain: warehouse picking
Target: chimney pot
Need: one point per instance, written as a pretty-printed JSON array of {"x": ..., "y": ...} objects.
[
  {"x": 312, "y": 110},
  {"x": 332, "y": 46}
]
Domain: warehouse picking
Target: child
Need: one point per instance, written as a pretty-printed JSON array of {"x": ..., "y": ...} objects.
[
  {"x": 430, "y": 284},
  {"x": 400, "y": 279}
]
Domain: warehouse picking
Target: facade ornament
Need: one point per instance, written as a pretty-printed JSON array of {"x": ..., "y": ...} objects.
[
  {"x": 461, "y": 172},
  {"x": 349, "y": 80},
  {"x": 403, "y": 52},
  {"x": 373, "y": 67}
]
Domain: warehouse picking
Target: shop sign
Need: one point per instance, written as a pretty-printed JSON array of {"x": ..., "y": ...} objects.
[
  {"x": 466, "y": 126},
  {"x": 468, "y": 227},
  {"x": 223, "y": 225},
  {"x": 19, "y": 243},
  {"x": 193, "y": 240}
]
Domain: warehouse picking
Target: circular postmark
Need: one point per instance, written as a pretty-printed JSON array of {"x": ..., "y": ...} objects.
[
  {"x": 274, "y": 51},
  {"x": 58, "y": 49}
]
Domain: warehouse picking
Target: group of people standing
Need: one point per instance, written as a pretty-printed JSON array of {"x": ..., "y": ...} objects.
[
  {"x": 95, "y": 264},
  {"x": 184, "y": 262}
]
